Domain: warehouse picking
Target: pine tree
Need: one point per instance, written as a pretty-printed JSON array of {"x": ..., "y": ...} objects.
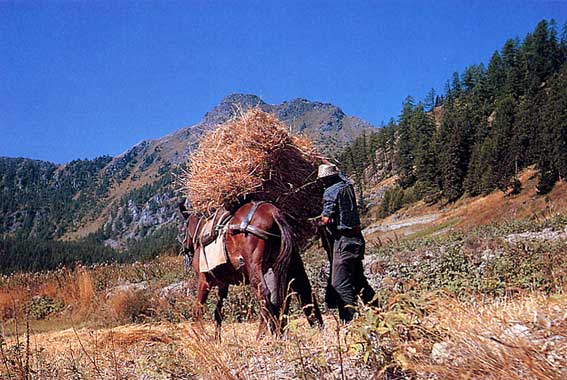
[
  {"x": 505, "y": 154},
  {"x": 554, "y": 122},
  {"x": 527, "y": 127},
  {"x": 454, "y": 151},
  {"x": 404, "y": 157},
  {"x": 495, "y": 77},
  {"x": 548, "y": 176},
  {"x": 563, "y": 43},
  {"x": 456, "y": 85},
  {"x": 540, "y": 56},
  {"x": 423, "y": 131},
  {"x": 513, "y": 83},
  {"x": 472, "y": 77},
  {"x": 430, "y": 100},
  {"x": 473, "y": 183}
]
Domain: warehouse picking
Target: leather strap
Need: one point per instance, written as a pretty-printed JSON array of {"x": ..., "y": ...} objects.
[
  {"x": 246, "y": 221},
  {"x": 261, "y": 233},
  {"x": 245, "y": 227}
]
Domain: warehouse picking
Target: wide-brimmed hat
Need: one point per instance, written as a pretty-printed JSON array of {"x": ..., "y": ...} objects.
[{"x": 327, "y": 170}]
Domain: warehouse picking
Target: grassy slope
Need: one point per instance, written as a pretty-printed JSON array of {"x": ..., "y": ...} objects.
[
  {"x": 457, "y": 300},
  {"x": 467, "y": 213}
]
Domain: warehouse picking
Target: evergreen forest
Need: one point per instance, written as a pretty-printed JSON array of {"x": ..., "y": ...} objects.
[{"x": 490, "y": 122}]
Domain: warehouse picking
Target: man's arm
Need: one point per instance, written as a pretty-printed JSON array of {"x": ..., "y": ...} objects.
[{"x": 329, "y": 207}]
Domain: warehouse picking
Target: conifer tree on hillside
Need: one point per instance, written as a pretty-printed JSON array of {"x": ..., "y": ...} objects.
[
  {"x": 423, "y": 135},
  {"x": 405, "y": 153},
  {"x": 554, "y": 129},
  {"x": 495, "y": 77},
  {"x": 527, "y": 128},
  {"x": 494, "y": 123},
  {"x": 513, "y": 82},
  {"x": 563, "y": 43},
  {"x": 504, "y": 154},
  {"x": 454, "y": 150},
  {"x": 456, "y": 85},
  {"x": 430, "y": 100},
  {"x": 472, "y": 77}
]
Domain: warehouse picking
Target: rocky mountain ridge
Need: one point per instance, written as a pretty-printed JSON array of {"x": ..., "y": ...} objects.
[{"x": 132, "y": 196}]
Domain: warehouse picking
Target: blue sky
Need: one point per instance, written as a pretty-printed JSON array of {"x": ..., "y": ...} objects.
[{"x": 79, "y": 79}]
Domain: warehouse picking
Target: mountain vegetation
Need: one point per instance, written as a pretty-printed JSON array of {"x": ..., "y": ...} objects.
[
  {"x": 473, "y": 288},
  {"x": 490, "y": 123},
  {"x": 123, "y": 208}
]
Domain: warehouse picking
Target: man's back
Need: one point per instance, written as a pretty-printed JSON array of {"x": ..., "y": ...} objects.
[{"x": 339, "y": 203}]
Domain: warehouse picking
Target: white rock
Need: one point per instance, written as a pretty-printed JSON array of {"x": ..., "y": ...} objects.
[
  {"x": 517, "y": 331},
  {"x": 440, "y": 352},
  {"x": 127, "y": 288}
]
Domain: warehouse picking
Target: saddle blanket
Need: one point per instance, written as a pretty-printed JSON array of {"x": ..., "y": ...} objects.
[{"x": 213, "y": 254}]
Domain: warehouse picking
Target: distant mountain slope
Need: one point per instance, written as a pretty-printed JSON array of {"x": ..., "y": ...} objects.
[{"x": 129, "y": 197}]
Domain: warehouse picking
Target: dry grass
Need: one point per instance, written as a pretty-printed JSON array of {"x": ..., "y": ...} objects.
[
  {"x": 189, "y": 351},
  {"x": 96, "y": 295},
  {"x": 410, "y": 336},
  {"x": 129, "y": 305},
  {"x": 479, "y": 340},
  {"x": 525, "y": 338}
]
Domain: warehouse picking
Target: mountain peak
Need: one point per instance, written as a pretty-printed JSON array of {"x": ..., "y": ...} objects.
[
  {"x": 243, "y": 99},
  {"x": 230, "y": 105}
]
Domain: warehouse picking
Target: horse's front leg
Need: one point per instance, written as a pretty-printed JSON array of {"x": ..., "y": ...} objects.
[
  {"x": 223, "y": 292},
  {"x": 203, "y": 289}
]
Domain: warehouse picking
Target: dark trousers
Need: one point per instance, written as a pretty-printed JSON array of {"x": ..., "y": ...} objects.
[{"x": 347, "y": 275}]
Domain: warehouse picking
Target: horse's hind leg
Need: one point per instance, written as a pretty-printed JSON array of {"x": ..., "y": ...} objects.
[
  {"x": 203, "y": 289},
  {"x": 223, "y": 292},
  {"x": 268, "y": 311},
  {"x": 301, "y": 285}
]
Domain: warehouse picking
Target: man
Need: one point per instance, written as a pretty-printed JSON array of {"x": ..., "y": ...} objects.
[{"x": 341, "y": 219}]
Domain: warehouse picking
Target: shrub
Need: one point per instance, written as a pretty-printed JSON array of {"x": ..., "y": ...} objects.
[
  {"x": 129, "y": 305},
  {"x": 40, "y": 307}
]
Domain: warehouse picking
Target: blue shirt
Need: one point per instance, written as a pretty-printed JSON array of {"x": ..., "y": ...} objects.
[{"x": 339, "y": 203}]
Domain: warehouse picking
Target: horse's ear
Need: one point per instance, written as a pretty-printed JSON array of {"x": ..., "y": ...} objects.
[{"x": 183, "y": 210}]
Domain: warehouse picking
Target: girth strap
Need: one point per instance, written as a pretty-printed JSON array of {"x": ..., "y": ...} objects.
[{"x": 245, "y": 227}]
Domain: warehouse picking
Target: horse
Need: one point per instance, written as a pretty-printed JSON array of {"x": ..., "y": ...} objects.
[{"x": 261, "y": 252}]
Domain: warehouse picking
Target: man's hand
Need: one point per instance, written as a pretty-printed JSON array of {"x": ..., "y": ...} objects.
[
  {"x": 325, "y": 220},
  {"x": 321, "y": 220}
]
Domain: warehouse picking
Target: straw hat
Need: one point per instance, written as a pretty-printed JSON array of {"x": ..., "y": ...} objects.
[{"x": 327, "y": 170}]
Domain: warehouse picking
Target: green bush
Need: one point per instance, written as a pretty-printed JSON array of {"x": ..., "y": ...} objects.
[{"x": 40, "y": 307}]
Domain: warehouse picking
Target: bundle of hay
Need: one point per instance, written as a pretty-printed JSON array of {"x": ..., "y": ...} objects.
[{"x": 256, "y": 158}]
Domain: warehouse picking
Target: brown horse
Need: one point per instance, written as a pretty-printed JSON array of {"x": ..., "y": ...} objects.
[{"x": 262, "y": 255}]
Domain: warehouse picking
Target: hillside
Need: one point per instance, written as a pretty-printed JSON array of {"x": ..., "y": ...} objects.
[
  {"x": 492, "y": 122},
  {"x": 464, "y": 288},
  {"x": 421, "y": 218},
  {"x": 128, "y": 202}
]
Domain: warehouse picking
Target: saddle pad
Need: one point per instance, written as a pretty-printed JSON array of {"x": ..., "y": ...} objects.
[
  {"x": 209, "y": 227},
  {"x": 212, "y": 255}
]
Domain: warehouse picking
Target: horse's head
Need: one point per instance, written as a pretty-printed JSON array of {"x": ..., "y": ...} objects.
[{"x": 187, "y": 233}]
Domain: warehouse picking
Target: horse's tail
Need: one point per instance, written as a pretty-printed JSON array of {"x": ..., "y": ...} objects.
[{"x": 283, "y": 259}]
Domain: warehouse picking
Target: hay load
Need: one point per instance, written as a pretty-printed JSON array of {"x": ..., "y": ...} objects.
[{"x": 256, "y": 158}]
